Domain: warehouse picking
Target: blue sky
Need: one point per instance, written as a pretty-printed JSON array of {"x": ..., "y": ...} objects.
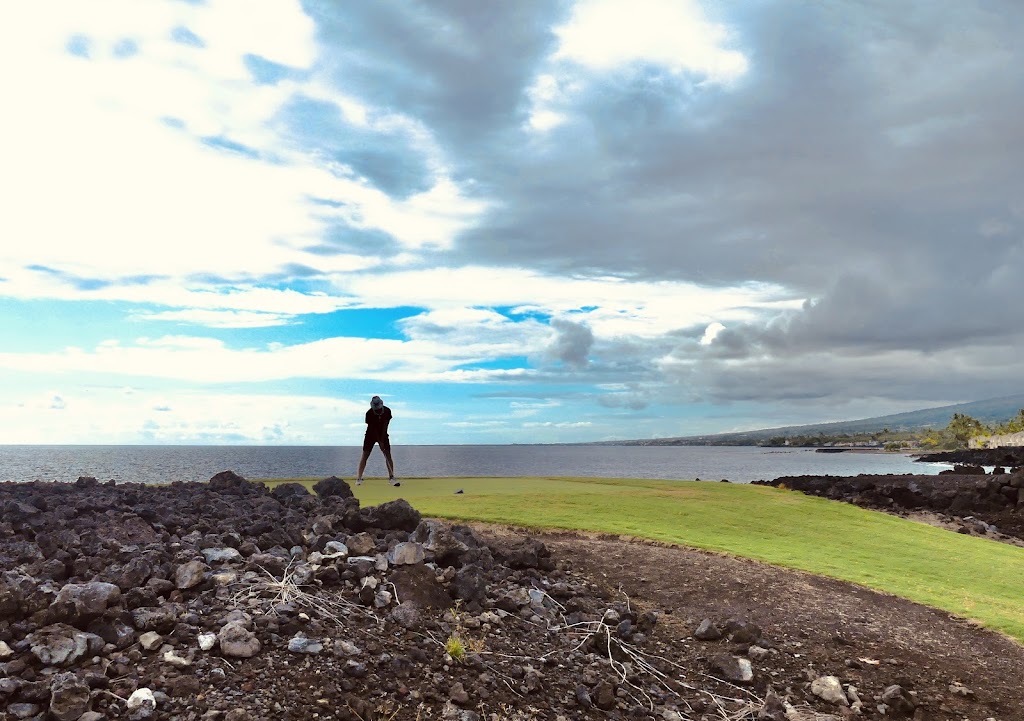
[{"x": 234, "y": 222}]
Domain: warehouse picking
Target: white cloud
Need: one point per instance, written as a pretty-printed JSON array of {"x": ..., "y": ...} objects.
[
  {"x": 624, "y": 308},
  {"x": 555, "y": 424},
  {"x": 216, "y": 318},
  {"x": 676, "y": 33},
  {"x": 98, "y": 184},
  {"x": 209, "y": 360},
  {"x": 193, "y": 296},
  {"x": 605, "y": 35},
  {"x": 710, "y": 332},
  {"x": 103, "y": 415}
]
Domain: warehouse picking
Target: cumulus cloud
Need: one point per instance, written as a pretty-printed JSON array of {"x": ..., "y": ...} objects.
[
  {"x": 572, "y": 343},
  {"x": 799, "y": 206},
  {"x": 98, "y": 415}
]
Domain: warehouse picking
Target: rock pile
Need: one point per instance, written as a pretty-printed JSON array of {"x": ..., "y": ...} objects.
[
  {"x": 985, "y": 503},
  {"x": 228, "y": 601},
  {"x": 1004, "y": 456}
]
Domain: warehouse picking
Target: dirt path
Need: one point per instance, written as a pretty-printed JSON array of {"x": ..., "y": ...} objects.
[{"x": 815, "y": 625}]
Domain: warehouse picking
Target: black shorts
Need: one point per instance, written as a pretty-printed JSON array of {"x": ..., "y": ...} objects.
[{"x": 368, "y": 441}]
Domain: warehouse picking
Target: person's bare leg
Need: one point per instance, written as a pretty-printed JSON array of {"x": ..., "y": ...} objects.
[
  {"x": 362, "y": 466},
  {"x": 390, "y": 464}
]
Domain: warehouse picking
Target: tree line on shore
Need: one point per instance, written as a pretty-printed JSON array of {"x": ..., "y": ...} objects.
[{"x": 957, "y": 434}]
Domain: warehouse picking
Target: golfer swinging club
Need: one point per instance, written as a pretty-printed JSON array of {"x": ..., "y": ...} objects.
[{"x": 377, "y": 420}]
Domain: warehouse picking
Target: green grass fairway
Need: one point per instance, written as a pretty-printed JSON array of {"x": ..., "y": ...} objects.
[{"x": 972, "y": 577}]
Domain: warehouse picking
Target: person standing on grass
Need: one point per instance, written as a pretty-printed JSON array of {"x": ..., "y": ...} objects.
[{"x": 377, "y": 420}]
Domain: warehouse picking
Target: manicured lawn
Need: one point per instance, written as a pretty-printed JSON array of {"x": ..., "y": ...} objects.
[{"x": 969, "y": 576}]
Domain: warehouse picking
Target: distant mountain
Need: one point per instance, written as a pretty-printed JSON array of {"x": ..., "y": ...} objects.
[{"x": 993, "y": 410}]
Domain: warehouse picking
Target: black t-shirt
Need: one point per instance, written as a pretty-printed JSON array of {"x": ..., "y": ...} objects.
[{"x": 377, "y": 424}]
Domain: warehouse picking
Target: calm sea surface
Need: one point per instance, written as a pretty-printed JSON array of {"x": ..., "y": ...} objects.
[{"x": 164, "y": 464}]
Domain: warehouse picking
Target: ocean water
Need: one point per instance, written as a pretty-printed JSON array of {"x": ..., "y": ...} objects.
[{"x": 165, "y": 464}]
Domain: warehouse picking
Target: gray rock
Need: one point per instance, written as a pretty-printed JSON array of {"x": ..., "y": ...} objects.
[
  {"x": 156, "y": 618},
  {"x": 14, "y": 587},
  {"x": 457, "y": 693},
  {"x": 289, "y": 490},
  {"x": 958, "y": 689},
  {"x": 133, "y": 574},
  {"x": 269, "y": 562},
  {"x": 774, "y": 708},
  {"x": 114, "y": 631},
  {"x": 333, "y": 487},
  {"x": 60, "y": 644},
  {"x": 171, "y": 657},
  {"x": 743, "y": 631},
  {"x": 361, "y": 544},
  {"x": 335, "y": 551},
  {"x": 732, "y": 668},
  {"x": 524, "y": 553},
  {"x": 300, "y": 644},
  {"x": 854, "y": 698},
  {"x": 347, "y": 648},
  {"x": 406, "y": 554},
  {"x": 9, "y": 686},
  {"x": 69, "y": 697},
  {"x": 227, "y": 481},
  {"x": 221, "y": 555},
  {"x": 440, "y": 540},
  {"x": 451, "y": 712},
  {"x": 207, "y": 641},
  {"x": 236, "y": 615},
  {"x": 151, "y": 640},
  {"x": 757, "y": 653},
  {"x": 23, "y": 710},
  {"x": 899, "y": 700},
  {"x": 828, "y": 688},
  {"x": 302, "y": 574},
  {"x": 583, "y": 696},
  {"x": 224, "y": 577},
  {"x": 395, "y": 515},
  {"x": 604, "y": 696},
  {"x": 355, "y": 669},
  {"x": 189, "y": 575},
  {"x": 470, "y": 584},
  {"x": 707, "y": 631},
  {"x": 85, "y": 600},
  {"x": 141, "y": 704},
  {"x": 407, "y": 615},
  {"x": 6, "y": 651},
  {"x": 237, "y": 641}
]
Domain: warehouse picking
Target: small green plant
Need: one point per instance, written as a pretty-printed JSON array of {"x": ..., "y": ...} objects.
[{"x": 455, "y": 647}]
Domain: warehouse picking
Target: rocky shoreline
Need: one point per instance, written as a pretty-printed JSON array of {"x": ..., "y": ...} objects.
[
  {"x": 223, "y": 600},
  {"x": 968, "y": 498},
  {"x": 1009, "y": 456}
]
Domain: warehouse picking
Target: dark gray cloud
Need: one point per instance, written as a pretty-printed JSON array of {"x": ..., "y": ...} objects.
[
  {"x": 460, "y": 66},
  {"x": 388, "y": 158},
  {"x": 572, "y": 343},
  {"x": 869, "y": 160},
  {"x": 795, "y": 175}
]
